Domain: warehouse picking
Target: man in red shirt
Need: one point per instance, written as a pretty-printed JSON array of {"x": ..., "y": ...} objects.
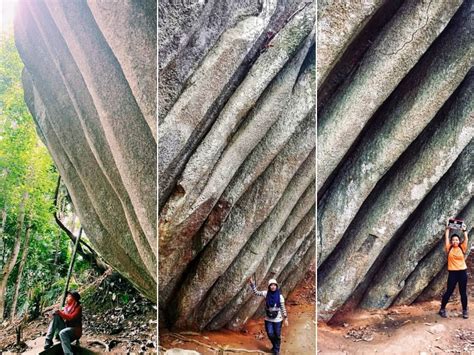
[{"x": 68, "y": 322}]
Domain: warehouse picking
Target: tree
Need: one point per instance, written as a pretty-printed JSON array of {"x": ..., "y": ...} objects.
[
  {"x": 27, "y": 185},
  {"x": 10, "y": 263},
  {"x": 21, "y": 267}
]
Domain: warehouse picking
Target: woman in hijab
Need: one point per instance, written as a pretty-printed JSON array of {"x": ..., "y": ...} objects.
[
  {"x": 275, "y": 312},
  {"x": 67, "y": 322}
]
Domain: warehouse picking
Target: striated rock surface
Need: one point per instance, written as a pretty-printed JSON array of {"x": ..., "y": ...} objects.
[
  {"x": 395, "y": 149},
  {"x": 90, "y": 84},
  {"x": 236, "y": 154}
]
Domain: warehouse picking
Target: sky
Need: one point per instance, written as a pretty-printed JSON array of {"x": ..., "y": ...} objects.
[{"x": 7, "y": 13}]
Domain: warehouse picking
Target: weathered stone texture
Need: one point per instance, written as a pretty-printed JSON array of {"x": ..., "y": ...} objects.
[
  {"x": 395, "y": 156},
  {"x": 90, "y": 86},
  {"x": 401, "y": 43},
  {"x": 236, "y": 152},
  {"x": 338, "y": 24}
]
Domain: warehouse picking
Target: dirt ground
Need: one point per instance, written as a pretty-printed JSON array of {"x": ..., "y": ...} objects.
[
  {"x": 415, "y": 329},
  {"x": 297, "y": 339},
  {"x": 34, "y": 337},
  {"x": 123, "y": 328}
]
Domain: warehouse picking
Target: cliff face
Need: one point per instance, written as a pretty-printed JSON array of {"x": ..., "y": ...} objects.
[
  {"x": 236, "y": 155},
  {"x": 395, "y": 149},
  {"x": 236, "y": 167},
  {"x": 90, "y": 84}
]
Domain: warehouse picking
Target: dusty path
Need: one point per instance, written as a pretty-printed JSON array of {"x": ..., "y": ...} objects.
[
  {"x": 34, "y": 338},
  {"x": 416, "y": 329},
  {"x": 297, "y": 339}
]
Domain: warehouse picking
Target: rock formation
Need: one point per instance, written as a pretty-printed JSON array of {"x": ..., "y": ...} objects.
[
  {"x": 395, "y": 148},
  {"x": 237, "y": 154},
  {"x": 236, "y": 143},
  {"x": 90, "y": 84}
]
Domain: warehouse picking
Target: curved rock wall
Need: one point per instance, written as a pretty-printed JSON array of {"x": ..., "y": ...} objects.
[
  {"x": 236, "y": 155},
  {"x": 395, "y": 148},
  {"x": 90, "y": 84},
  {"x": 236, "y": 141}
]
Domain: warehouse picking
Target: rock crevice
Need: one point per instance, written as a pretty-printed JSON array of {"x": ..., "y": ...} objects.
[
  {"x": 235, "y": 170},
  {"x": 405, "y": 117}
]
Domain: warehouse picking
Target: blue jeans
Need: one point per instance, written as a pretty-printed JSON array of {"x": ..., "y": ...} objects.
[
  {"x": 65, "y": 334},
  {"x": 274, "y": 334}
]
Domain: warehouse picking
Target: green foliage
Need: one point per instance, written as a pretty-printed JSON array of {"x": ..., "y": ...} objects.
[
  {"x": 113, "y": 291},
  {"x": 124, "y": 298},
  {"x": 26, "y": 166}
]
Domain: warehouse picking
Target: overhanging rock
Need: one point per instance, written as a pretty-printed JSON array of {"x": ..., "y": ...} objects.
[
  {"x": 89, "y": 81},
  {"x": 395, "y": 152}
]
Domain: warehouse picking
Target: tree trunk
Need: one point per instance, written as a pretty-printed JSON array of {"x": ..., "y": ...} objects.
[
  {"x": 72, "y": 227},
  {"x": 10, "y": 263},
  {"x": 2, "y": 228},
  {"x": 20, "y": 269},
  {"x": 91, "y": 256},
  {"x": 71, "y": 266},
  {"x": 56, "y": 248}
]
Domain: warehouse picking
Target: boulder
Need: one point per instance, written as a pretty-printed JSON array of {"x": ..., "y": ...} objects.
[
  {"x": 236, "y": 151},
  {"x": 395, "y": 51},
  {"x": 93, "y": 100},
  {"x": 394, "y": 155}
]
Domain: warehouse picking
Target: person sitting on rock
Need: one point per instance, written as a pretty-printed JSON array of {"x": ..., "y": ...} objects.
[
  {"x": 457, "y": 269},
  {"x": 275, "y": 312},
  {"x": 67, "y": 322}
]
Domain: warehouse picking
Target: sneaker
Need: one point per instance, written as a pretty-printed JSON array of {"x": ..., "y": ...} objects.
[
  {"x": 48, "y": 344},
  {"x": 442, "y": 313},
  {"x": 465, "y": 314}
]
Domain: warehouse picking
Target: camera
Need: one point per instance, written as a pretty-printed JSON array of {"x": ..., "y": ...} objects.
[{"x": 455, "y": 223}]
